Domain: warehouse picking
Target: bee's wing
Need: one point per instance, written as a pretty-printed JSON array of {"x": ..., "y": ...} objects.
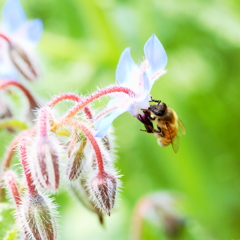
[
  {"x": 181, "y": 127},
  {"x": 176, "y": 143}
]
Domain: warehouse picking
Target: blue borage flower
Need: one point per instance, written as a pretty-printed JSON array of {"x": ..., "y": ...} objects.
[
  {"x": 20, "y": 32},
  {"x": 138, "y": 78}
]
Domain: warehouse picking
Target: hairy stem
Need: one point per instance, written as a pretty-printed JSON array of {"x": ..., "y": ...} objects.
[
  {"x": 10, "y": 150},
  {"x": 6, "y": 83},
  {"x": 8, "y": 156},
  {"x": 23, "y": 155},
  {"x": 5, "y": 38},
  {"x": 43, "y": 122},
  {"x": 105, "y": 111},
  {"x": 96, "y": 95},
  {"x": 69, "y": 96},
  {"x": 11, "y": 181}
]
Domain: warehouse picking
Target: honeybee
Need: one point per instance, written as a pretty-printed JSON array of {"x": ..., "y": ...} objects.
[{"x": 167, "y": 122}]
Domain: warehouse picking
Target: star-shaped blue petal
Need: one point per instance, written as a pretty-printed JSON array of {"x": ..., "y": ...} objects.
[
  {"x": 13, "y": 16},
  {"x": 155, "y": 54}
]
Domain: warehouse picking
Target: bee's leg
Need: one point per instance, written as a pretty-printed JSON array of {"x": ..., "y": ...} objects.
[
  {"x": 159, "y": 131},
  {"x": 148, "y": 124},
  {"x": 141, "y": 118},
  {"x": 148, "y": 130}
]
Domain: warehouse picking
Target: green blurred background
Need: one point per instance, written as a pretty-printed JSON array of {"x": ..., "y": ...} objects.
[{"x": 79, "y": 51}]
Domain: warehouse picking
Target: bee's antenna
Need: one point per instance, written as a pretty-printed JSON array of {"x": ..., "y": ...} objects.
[{"x": 157, "y": 101}]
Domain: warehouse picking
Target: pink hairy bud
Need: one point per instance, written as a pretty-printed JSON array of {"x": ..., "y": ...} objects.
[
  {"x": 24, "y": 62},
  {"x": 76, "y": 157},
  {"x": 46, "y": 153},
  {"x": 38, "y": 218},
  {"x": 47, "y": 164},
  {"x": 103, "y": 188}
]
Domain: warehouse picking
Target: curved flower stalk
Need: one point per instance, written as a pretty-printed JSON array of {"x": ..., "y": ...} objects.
[
  {"x": 32, "y": 101},
  {"x": 10, "y": 179},
  {"x": 137, "y": 78},
  {"x": 18, "y": 37}
]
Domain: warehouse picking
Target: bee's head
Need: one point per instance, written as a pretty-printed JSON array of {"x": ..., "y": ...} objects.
[{"x": 158, "y": 109}]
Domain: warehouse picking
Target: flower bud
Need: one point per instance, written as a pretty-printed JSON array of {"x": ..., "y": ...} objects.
[
  {"x": 45, "y": 152},
  {"x": 24, "y": 62},
  {"x": 5, "y": 112},
  {"x": 37, "y": 218},
  {"x": 169, "y": 217},
  {"x": 46, "y": 164},
  {"x": 76, "y": 156},
  {"x": 106, "y": 143},
  {"x": 103, "y": 189},
  {"x": 161, "y": 209}
]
